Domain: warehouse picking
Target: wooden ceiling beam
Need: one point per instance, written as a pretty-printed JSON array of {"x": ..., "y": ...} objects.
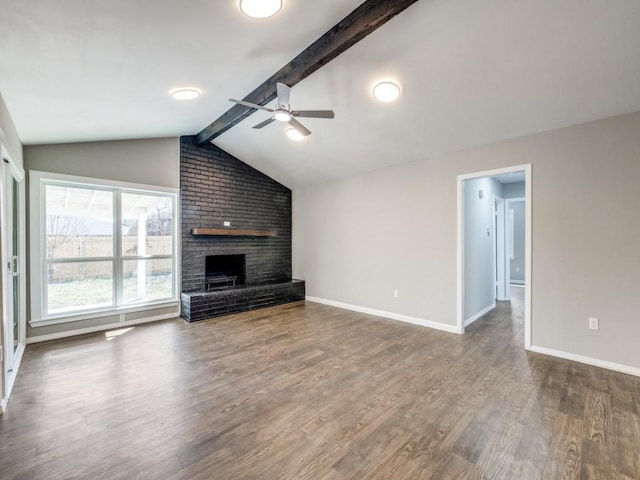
[{"x": 369, "y": 16}]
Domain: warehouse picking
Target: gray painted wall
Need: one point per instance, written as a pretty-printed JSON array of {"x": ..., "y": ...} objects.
[
  {"x": 517, "y": 262},
  {"x": 357, "y": 239},
  {"x": 514, "y": 190},
  {"x": 150, "y": 161},
  {"x": 9, "y": 135},
  {"x": 479, "y": 283}
]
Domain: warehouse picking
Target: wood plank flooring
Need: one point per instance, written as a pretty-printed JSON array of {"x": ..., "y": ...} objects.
[{"x": 306, "y": 391}]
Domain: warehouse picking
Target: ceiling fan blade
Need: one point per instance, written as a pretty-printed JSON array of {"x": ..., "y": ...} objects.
[
  {"x": 265, "y": 123},
  {"x": 299, "y": 127},
  {"x": 284, "y": 92},
  {"x": 314, "y": 113},
  {"x": 252, "y": 105}
]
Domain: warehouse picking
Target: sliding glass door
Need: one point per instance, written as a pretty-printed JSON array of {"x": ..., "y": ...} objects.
[{"x": 13, "y": 267}]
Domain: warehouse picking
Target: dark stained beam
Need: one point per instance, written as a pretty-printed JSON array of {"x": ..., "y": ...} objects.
[{"x": 369, "y": 16}]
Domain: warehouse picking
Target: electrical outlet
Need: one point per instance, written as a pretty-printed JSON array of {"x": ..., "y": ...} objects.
[
  {"x": 122, "y": 317},
  {"x": 395, "y": 294},
  {"x": 227, "y": 224},
  {"x": 594, "y": 323}
]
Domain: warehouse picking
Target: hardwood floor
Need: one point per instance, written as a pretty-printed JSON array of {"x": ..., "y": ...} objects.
[{"x": 313, "y": 392}]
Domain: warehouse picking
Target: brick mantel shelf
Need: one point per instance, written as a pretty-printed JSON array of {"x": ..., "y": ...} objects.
[{"x": 224, "y": 232}]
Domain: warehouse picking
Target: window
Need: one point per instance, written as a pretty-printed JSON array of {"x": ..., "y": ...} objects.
[{"x": 100, "y": 247}]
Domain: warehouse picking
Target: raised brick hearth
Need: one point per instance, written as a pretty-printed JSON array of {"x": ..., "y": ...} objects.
[
  {"x": 216, "y": 187},
  {"x": 213, "y": 303}
]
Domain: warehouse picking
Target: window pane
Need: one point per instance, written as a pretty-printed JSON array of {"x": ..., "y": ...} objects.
[
  {"x": 79, "y": 286},
  {"x": 79, "y": 222},
  {"x": 147, "y": 280},
  {"x": 147, "y": 225}
]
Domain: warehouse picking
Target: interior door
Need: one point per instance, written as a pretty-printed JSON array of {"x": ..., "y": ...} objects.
[{"x": 500, "y": 247}]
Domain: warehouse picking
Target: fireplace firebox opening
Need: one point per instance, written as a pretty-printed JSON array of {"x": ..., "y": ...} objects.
[{"x": 224, "y": 271}]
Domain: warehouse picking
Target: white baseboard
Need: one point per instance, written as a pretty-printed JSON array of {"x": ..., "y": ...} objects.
[
  {"x": 393, "y": 316},
  {"x": 475, "y": 317},
  {"x": 100, "y": 328},
  {"x": 587, "y": 360}
]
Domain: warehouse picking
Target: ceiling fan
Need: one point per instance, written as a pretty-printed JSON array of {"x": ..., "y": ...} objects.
[{"x": 283, "y": 112}]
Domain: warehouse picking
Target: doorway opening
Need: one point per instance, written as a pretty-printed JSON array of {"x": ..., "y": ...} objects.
[
  {"x": 516, "y": 221},
  {"x": 494, "y": 242}
]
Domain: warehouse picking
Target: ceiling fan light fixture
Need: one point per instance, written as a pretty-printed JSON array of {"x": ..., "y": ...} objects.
[
  {"x": 185, "y": 93},
  {"x": 386, "y": 91},
  {"x": 295, "y": 135},
  {"x": 282, "y": 115},
  {"x": 260, "y": 8}
]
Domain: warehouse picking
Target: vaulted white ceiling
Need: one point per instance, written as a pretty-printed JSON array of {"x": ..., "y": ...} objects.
[{"x": 471, "y": 72}]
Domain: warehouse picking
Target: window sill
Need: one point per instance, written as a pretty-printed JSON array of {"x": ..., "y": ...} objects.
[{"x": 101, "y": 314}]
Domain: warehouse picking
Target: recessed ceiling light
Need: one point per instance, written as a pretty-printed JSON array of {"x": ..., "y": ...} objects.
[
  {"x": 185, "y": 93},
  {"x": 295, "y": 135},
  {"x": 386, "y": 91},
  {"x": 260, "y": 8}
]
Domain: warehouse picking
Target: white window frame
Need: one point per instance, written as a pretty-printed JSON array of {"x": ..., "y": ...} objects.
[{"x": 37, "y": 183}]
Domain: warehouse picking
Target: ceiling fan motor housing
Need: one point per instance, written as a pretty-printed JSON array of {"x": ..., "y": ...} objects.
[{"x": 282, "y": 115}]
